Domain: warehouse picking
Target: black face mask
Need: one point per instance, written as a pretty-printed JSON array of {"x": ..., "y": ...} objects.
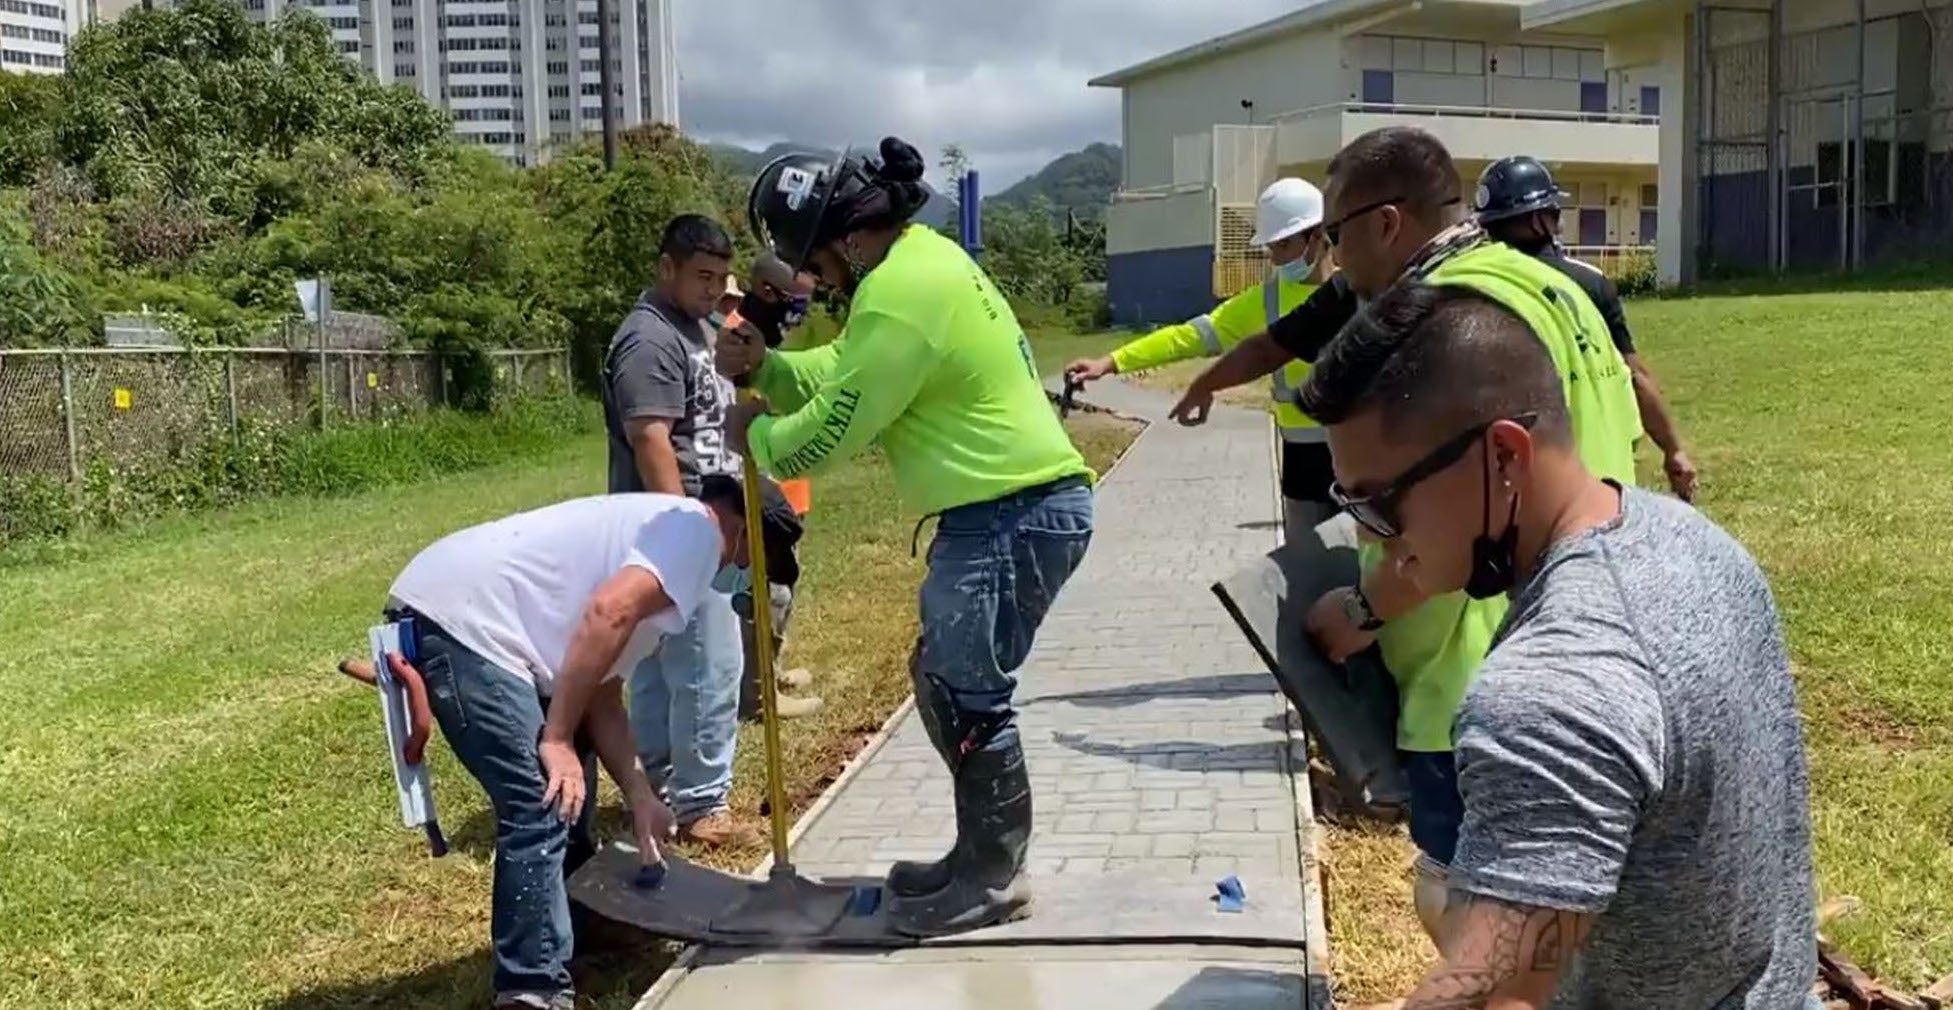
[{"x": 1493, "y": 561}]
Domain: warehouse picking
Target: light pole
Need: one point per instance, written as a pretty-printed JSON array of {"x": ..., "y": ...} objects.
[{"x": 606, "y": 80}]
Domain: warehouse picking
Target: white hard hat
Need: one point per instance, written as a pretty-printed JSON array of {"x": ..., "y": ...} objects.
[{"x": 1287, "y": 206}]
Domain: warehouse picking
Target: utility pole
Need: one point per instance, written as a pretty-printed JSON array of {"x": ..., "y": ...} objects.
[{"x": 607, "y": 80}]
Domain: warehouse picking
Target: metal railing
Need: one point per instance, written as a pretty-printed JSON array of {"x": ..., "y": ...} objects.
[
  {"x": 1616, "y": 261},
  {"x": 1159, "y": 192},
  {"x": 1466, "y": 112},
  {"x": 63, "y": 408}
]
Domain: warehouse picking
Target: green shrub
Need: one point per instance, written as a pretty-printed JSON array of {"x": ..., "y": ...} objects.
[
  {"x": 263, "y": 461},
  {"x": 1635, "y": 275}
]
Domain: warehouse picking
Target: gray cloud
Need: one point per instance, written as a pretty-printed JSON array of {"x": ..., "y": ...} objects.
[{"x": 1003, "y": 78}]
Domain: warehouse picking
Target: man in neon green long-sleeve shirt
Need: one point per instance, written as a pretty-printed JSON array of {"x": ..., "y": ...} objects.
[
  {"x": 934, "y": 368},
  {"x": 1288, "y": 223}
]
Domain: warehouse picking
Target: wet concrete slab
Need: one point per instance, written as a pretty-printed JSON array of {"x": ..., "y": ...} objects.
[{"x": 1168, "y": 977}]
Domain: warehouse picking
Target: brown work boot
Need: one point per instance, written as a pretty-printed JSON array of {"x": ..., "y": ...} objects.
[{"x": 719, "y": 831}]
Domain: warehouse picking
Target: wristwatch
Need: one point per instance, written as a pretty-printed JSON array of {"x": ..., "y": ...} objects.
[{"x": 1356, "y": 607}]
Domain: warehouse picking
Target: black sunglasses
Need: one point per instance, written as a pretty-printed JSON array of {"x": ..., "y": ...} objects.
[
  {"x": 1333, "y": 231},
  {"x": 1378, "y": 512}
]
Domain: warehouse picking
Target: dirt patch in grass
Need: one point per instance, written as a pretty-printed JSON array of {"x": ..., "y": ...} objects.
[{"x": 1377, "y": 949}]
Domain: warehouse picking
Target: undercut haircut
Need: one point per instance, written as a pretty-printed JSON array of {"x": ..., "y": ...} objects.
[
  {"x": 1399, "y": 163},
  {"x": 723, "y": 491},
  {"x": 690, "y": 235},
  {"x": 1433, "y": 360}
]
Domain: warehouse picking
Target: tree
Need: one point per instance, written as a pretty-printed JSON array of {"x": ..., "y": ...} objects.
[
  {"x": 180, "y": 103},
  {"x": 30, "y": 106}
]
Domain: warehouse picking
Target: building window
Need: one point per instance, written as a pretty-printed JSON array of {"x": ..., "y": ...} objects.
[
  {"x": 594, "y": 89},
  {"x": 559, "y": 68},
  {"x": 349, "y": 47},
  {"x": 1379, "y": 87},
  {"x": 1593, "y": 96},
  {"x": 9, "y": 31},
  {"x": 402, "y": 47},
  {"x": 554, "y": 20},
  {"x": 1650, "y": 195},
  {"x": 1649, "y": 226},
  {"x": 461, "y": 21},
  {"x": 559, "y": 91},
  {"x": 587, "y": 41},
  {"x": 1548, "y": 63},
  {"x": 586, "y": 18},
  {"x": 403, "y": 24},
  {"x": 48, "y": 11},
  {"x": 559, "y": 115},
  {"x": 553, "y": 44},
  {"x": 16, "y": 56},
  {"x": 344, "y": 24},
  {"x": 403, "y": 70},
  {"x": 1650, "y": 100}
]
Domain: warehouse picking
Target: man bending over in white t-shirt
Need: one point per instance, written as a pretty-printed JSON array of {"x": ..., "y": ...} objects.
[{"x": 525, "y": 627}]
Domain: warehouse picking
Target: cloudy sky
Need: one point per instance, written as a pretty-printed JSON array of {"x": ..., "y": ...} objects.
[{"x": 996, "y": 76}]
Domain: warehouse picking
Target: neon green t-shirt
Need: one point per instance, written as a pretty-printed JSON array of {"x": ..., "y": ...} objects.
[
  {"x": 1435, "y": 650},
  {"x": 934, "y": 366}
]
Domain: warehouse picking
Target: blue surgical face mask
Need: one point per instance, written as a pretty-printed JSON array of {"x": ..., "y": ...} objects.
[
  {"x": 733, "y": 579},
  {"x": 1295, "y": 271}
]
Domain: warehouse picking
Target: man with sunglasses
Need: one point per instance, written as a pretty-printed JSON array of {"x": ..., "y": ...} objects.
[
  {"x": 1636, "y": 827},
  {"x": 1394, "y": 212},
  {"x": 1288, "y": 224}
]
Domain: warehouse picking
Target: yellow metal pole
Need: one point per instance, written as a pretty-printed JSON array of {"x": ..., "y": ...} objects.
[{"x": 762, "y": 597}]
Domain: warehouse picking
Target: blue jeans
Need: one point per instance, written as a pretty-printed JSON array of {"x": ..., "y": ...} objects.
[
  {"x": 994, "y": 569},
  {"x": 492, "y": 719},
  {"x": 1436, "y": 809},
  {"x": 685, "y": 709}
]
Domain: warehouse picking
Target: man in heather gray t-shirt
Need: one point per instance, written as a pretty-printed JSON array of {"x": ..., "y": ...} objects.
[
  {"x": 1632, "y": 749},
  {"x": 1636, "y": 829}
]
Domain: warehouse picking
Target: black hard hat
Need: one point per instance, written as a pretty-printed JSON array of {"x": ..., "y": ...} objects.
[
  {"x": 1513, "y": 186},
  {"x": 793, "y": 198}
]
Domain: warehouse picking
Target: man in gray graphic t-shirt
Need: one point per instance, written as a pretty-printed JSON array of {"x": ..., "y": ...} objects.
[
  {"x": 665, "y": 408},
  {"x": 660, "y": 385},
  {"x": 1637, "y": 821}
]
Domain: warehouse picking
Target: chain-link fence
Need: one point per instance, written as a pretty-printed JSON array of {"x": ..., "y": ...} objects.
[{"x": 61, "y": 409}]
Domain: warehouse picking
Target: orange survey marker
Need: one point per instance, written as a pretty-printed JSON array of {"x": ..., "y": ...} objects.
[{"x": 799, "y": 493}]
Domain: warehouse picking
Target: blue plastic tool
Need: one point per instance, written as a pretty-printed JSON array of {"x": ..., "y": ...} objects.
[
  {"x": 865, "y": 899},
  {"x": 1229, "y": 895}
]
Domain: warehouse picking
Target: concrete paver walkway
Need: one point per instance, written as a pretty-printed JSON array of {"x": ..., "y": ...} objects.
[{"x": 1162, "y": 758}]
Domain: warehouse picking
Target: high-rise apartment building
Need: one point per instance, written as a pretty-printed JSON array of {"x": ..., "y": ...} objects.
[
  {"x": 34, "y": 34},
  {"x": 519, "y": 77}
]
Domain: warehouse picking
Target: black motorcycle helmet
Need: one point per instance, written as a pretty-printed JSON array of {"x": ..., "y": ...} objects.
[
  {"x": 1513, "y": 186},
  {"x": 801, "y": 200}
]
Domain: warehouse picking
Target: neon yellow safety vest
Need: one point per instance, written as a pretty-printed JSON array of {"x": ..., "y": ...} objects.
[
  {"x": 1435, "y": 650},
  {"x": 1213, "y": 334}
]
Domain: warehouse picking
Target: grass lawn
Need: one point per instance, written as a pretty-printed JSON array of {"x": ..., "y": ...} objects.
[{"x": 193, "y": 809}]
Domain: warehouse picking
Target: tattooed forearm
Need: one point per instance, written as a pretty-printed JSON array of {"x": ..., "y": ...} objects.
[{"x": 1503, "y": 950}]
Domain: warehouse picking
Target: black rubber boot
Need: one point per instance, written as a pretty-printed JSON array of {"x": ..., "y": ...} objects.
[
  {"x": 983, "y": 876},
  {"x": 910, "y": 877}
]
